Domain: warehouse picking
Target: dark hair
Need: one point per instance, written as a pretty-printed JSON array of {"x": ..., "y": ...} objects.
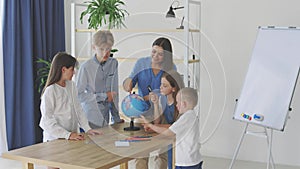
[
  {"x": 176, "y": 81},
  {"x": 60, "y": 60},
  {"x": 168, "y": 53}
]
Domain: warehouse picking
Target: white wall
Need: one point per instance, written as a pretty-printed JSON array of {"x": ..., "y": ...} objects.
[
  {"x": 3, "y": 143},
  {"x": 229, "y": 30},
  {"x": 231, "y": 26}
]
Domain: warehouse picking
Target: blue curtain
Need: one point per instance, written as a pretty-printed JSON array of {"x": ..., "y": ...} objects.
[{"x": 32, "y": 28}]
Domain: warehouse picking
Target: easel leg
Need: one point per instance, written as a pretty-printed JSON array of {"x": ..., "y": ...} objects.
[
  {"x": 238, "y": 147},
  {"x": 269, "y": 141}
]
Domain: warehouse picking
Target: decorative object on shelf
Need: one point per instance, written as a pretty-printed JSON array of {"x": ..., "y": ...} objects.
[
  {"x": 112, "y": 51},
  {"x": 171, "y": 13},
  {"x": 181, "y": 24},
  {"x": 102, "y": 12}
]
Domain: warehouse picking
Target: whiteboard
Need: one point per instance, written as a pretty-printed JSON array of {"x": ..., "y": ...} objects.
[{"x": 271, "y": 78}]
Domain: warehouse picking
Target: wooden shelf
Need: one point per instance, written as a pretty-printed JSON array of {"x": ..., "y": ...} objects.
[
  {"x": 134, "y": 59},
  {"x": 194, "y": 61},
  {"x": 137, "y": 30}
]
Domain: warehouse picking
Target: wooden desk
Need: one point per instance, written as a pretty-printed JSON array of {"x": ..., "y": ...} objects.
[{"x": 85, "y": 154}]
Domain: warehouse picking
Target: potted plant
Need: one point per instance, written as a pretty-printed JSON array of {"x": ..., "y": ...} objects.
[
  {"x": 102, "y": 12},
  {"x": 42, "y": 73}
]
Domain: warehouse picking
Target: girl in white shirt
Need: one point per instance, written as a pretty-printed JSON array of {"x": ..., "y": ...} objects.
[{"x": 62, "y": 115}]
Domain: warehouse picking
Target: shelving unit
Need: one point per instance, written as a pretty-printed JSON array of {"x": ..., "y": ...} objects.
[
  {"x": 187, "y": 62},
  {"x": 191, "y": 72}
]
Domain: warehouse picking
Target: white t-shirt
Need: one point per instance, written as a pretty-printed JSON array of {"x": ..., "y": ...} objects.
[
  {"x": 61, "y": 112},
  {"x": 187, "y": 150}
]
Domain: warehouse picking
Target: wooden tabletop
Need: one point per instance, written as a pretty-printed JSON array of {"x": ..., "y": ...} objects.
[{"x": 94, "y": 152}]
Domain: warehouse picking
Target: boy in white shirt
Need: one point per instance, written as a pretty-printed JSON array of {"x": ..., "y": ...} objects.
[{"x": 186, "y": 130}]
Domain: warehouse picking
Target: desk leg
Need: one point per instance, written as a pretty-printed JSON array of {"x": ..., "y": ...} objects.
[
  {"x": 28, "y": 166},
  {"x": 124, "y": 166}
]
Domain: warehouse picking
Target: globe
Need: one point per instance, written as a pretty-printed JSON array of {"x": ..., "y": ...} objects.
[{"x": 134, "y": 105}]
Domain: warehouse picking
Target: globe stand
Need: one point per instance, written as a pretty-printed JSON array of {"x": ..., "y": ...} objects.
[{"x": 131, "y": 127}]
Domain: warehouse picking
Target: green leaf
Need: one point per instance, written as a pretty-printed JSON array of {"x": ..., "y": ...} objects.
[
  {"x": 97, "y": 10},
  {"x": 42, "y": 73}
]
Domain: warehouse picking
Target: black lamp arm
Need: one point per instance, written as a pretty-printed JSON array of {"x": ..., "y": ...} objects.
[{"x": 180, "y": 7}]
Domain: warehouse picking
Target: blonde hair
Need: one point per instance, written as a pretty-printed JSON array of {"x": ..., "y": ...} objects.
[
  {"x": 102, "y": 37},
  {"x": 189, "y": 95}
]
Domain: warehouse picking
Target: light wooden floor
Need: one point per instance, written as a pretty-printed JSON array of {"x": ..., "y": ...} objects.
[{"x": 209, "y": 163}]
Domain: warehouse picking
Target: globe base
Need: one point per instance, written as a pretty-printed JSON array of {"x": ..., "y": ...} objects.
[{"x": 131, "y": 127}]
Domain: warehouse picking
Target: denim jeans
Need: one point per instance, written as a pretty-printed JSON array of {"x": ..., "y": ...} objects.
[
  {"x": 198, "y": 166},
  {"x": 170, "y": 156}
]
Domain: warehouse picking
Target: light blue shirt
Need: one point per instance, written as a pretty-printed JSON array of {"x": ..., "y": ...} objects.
[
  {"x": 93, "y": 81},
  {"x": 143, "y": 75}
]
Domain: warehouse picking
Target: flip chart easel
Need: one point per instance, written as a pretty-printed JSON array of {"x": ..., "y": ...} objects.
[
  {"x": 264, "y": 134},
  {"x": 270, "y": 83}
]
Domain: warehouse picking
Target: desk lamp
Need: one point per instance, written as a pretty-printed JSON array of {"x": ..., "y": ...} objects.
[{"x": 171, "y": 13}]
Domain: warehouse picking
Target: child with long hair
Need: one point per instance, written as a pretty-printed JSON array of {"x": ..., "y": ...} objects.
[
  {"x": 62, "y": 115},
  {"x": 165, "y": 111}
]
